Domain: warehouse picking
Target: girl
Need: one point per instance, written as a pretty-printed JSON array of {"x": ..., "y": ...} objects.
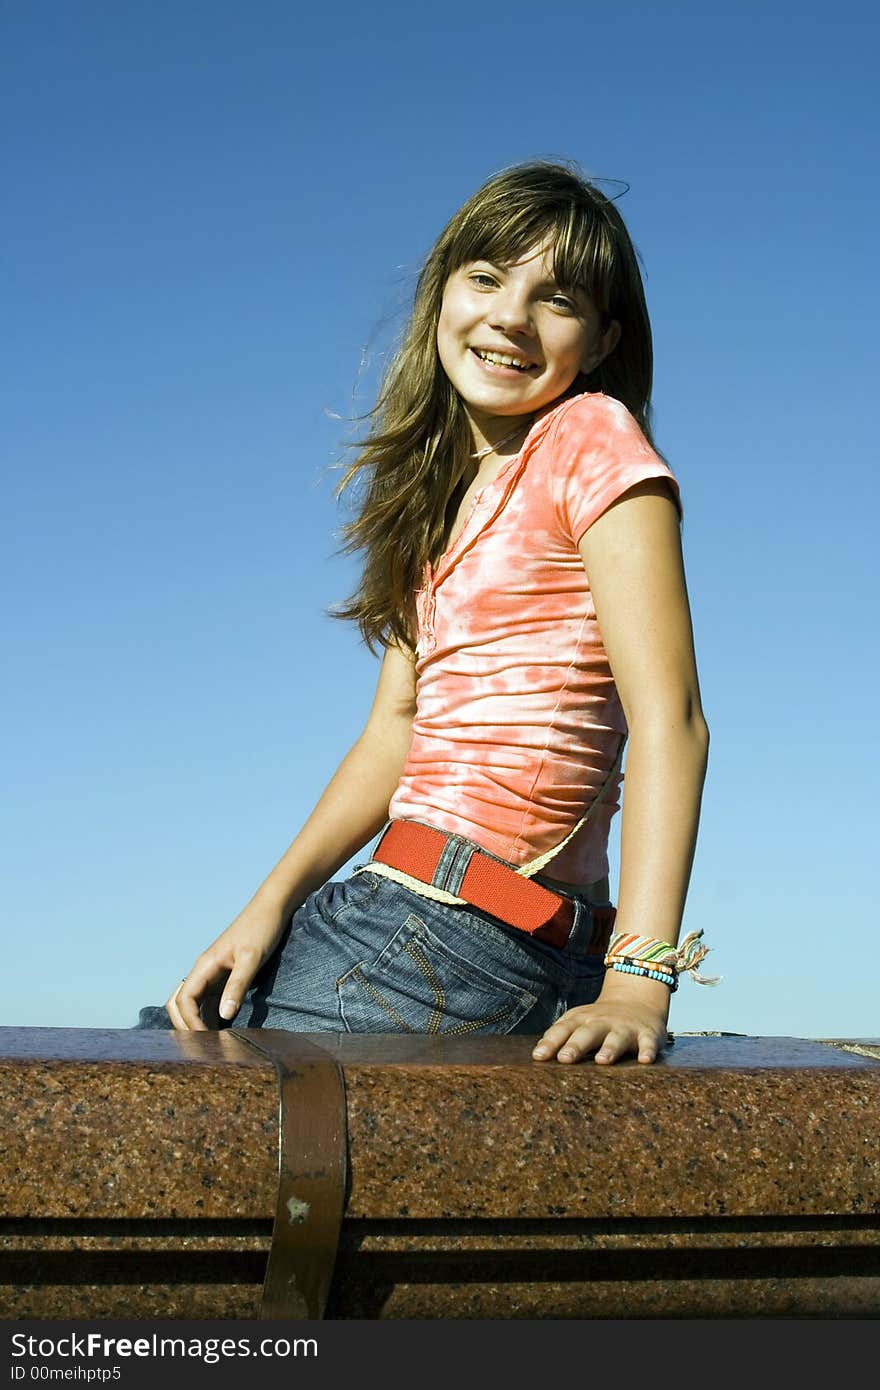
[{"x": 522, "y": 571}]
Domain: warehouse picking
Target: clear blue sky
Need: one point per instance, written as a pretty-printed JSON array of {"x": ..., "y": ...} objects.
[{"x": 214, "y": 214}]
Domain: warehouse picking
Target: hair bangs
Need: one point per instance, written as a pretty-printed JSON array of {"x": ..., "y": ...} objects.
[
  {"x": 577, "y": 235},
  {"x": 582, "y": 254}
]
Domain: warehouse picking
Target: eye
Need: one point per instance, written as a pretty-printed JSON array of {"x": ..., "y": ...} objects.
[
  {"x": 563, "y": 302},
  {"x": 482, "y": 278}
]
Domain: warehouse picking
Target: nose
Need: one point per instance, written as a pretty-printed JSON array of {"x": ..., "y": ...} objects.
[{"x": 511, "y": 311}]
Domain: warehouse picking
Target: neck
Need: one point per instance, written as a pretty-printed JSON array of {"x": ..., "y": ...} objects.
[{"x": 497, "y": 433}]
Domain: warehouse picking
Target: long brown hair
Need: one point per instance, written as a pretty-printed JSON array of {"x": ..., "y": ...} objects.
[{"x": 415, "y": 456}]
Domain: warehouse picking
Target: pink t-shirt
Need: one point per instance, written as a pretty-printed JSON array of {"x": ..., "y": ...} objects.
[{"x": 518, "y": 721}]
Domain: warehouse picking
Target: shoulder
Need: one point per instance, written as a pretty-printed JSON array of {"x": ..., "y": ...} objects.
[
  {"x": 596, "y": 420},
  {"x": 597, "y": 453},
  {"x": 593, "y": 434}
]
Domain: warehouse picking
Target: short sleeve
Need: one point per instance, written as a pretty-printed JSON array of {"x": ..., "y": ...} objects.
[{"x": 598, "y": 453}]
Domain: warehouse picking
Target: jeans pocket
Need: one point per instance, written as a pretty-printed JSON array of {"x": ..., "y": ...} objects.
[
  {"x": 417, "y": 984},
  {"x": 341, "y": 895}
]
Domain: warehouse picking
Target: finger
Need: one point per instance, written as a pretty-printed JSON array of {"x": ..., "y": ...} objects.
[
  {"x": 617, "y": 1044},
  {"x": 183, "y": 1006},
  {"x": 174, "y": 1014},
  {"x": 646, "y": 1043},
  {"x": 236, "y": 988},
  {"x": 555, "y": 1037},
  {"x": 245, "y": 966},
  {"x": 571, "y": 1037},
  {"x": 650, "y": 1045},
  {"x": 548, "y": 1045},
  {"x": 183, "y": 1023}
]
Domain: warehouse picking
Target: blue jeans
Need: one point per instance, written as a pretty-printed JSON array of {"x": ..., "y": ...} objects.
[{"x": 368, "y": 955}]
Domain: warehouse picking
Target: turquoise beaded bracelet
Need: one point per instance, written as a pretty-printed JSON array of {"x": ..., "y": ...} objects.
[{"x": 665, "y": 977}]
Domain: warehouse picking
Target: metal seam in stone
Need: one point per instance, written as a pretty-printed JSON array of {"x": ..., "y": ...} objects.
[{"x": 312, "y": 1149}]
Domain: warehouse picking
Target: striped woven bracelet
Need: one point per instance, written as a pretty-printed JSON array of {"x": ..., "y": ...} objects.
[{"x": 649, "y": 954}]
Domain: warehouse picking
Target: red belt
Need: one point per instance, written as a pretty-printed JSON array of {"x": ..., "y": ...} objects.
[{"x": 490, "y": 885}]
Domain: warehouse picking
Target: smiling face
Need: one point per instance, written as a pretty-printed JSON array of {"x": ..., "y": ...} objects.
[{"x": 512, "y": 341}]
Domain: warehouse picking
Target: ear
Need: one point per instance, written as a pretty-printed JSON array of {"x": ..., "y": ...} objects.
[{"x": 601, "y": 348}]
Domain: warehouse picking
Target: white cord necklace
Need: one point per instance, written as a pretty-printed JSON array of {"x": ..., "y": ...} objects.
[{"x": 493, "y": 448}]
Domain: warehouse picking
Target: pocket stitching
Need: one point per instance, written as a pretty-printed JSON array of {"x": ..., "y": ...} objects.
[
  {"x": 372, "y": 884},
  {"x": 414, "y": 951},
  {"x": 377, "y": 998},
  {"x": 470, "y": 974},
  {"x": 478, "y": 974}
]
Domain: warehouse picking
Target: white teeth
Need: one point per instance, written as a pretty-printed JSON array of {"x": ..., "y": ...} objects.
[{"x": 500, "y": 360}]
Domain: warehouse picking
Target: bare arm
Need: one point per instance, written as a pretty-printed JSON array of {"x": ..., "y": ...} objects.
[
  {"x": 632, "y": 555},
  {"x": 352, "y": 809}
]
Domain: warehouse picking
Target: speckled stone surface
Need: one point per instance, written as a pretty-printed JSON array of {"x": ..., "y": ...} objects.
[
  {"x": 738, "y": 1177},
  {"x": 128, "y": 1125},
  {"x": 723, "y": 1127}
]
